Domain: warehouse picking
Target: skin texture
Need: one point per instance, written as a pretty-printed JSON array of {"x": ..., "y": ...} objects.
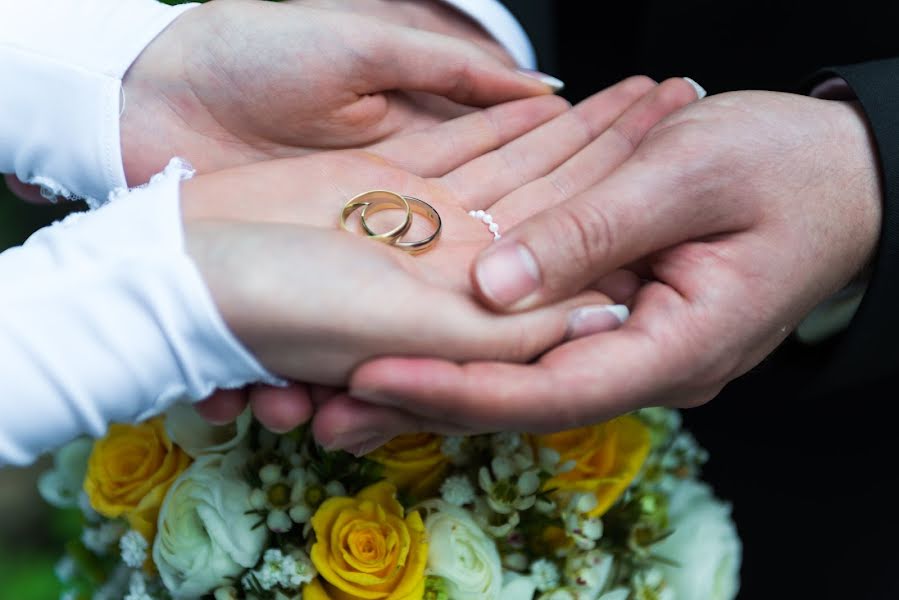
[
  {"x": 239, "y": 81},
  {"x": 742, "y": 212},
  {"x": 478, "y": 162}
]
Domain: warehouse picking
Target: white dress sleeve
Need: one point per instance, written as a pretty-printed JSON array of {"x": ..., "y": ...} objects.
[
  {"x": 104, "y": 318},
  {"x": 62, "y": 63},
  {"x": 505, "y": 28}
]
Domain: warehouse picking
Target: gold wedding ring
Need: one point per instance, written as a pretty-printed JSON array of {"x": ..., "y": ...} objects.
[
  {"x": 418, "y": 206},
  {"x": 380, "y": 198},
  {"x": 376, "y": 201}
]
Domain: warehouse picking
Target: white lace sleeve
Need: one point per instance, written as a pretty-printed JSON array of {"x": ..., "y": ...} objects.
[
  {"x": 104, "y": 318},
  {"x": 62, "y": 63},
  {"x": 505, "y": 28}
]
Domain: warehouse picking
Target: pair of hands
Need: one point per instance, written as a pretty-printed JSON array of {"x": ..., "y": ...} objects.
[{"x": 721, "y": 225}]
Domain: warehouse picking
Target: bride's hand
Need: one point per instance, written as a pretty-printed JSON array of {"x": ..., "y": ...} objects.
[
  {"x": 238, "y": 81},
  {"x": 464, "y": 165}
]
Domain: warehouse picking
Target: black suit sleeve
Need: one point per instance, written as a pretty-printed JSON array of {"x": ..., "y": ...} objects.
[{"x": 869, "y": 350}]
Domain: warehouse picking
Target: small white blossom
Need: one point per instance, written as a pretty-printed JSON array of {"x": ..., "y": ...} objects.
[
  {"x": 137, "y": 588},
  {"x": 101, "y": 538},
  {"x": 65, "y": 569},
  {"x": 507, "y": 491},
  {"x": 457, "y": 490},
  {"x": 455, "y": 448},
  {"x": 545, "y": 574},
  {"x": 485, "y": 517},
  {"x": 291, "y": 498},
  {"x": 516, "y": 561},
  {"x": 285, "y": 571},
  {"x": 116, "y": 587},
  {"x": 506, "y": 443},
  {"x": 584, "y": 530},
  {"x": 226, "y": 593},
  {"x": 590, "y": 572},
  {"x": 650, "y": 585},
  {"x": 62, "y": 486},
  {"x": 134, "y": 549}
]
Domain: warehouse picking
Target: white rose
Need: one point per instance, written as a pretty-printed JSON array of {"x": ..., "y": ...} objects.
[
  {"x": 461, "y": 553},
  {"x": 196, "y": 436},
  {"x": 704, "y": 543},
  {"x": 206, "y": 537}
]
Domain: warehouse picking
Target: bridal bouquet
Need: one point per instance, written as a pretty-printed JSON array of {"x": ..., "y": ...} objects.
[{"x": 177, "y": 508}]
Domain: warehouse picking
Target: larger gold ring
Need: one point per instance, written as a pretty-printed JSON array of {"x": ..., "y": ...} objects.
[
  {"x": 419, "y": 206},
  {"x": 380, "y": 198}
]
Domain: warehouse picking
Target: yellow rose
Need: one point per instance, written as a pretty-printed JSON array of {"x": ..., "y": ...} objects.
[
  {"x": 365, "y": 549},
  {"x": 413, "y": 463},
  {"x": 130, "y": 471},
  {"x": 607, "y": 457}
]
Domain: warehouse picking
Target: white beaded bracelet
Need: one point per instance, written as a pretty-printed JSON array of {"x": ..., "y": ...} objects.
[{"x": 487, "y": 219}]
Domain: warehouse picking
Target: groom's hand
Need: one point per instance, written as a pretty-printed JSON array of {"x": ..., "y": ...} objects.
[
  {"x": 237, "y": 81},
  {"x": 742, "y": 212}
]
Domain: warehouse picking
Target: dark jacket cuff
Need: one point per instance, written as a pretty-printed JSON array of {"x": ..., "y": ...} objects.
[{"x": 869, "y": 349}]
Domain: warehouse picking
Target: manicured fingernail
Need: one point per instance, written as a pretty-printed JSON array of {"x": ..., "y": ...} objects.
[
  {"x": 596, "y": 319},
  {"x": 367, "y": 446},
  {"x": 508, "y": 273},
  {"x": 554, "y": 83},
  {"x": 700, "y": 91}
]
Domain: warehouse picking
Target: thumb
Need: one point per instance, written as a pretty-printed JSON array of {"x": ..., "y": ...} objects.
[
  {"x": 416, "y": 60},
  {"x": 638, "y": 210}
]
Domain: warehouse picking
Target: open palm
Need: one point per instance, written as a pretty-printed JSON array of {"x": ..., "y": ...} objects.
[
  {"x": 476, "y": 162},
  {"x": 238, "y": 81}
]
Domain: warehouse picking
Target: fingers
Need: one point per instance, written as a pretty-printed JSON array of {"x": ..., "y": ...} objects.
[
  {"x": 281, "y": 409},
  {"x": 29, "y": 193},
  {"x": 440, "y": 149},
  {"x": 345, "y": 423},
  {"x": 479, "y": 183},
  {"x": 643, "y": 206},
  {"x": 223, "y": 407},
  {"x": 650, "y": 360},
  {"x": 616, "y": 142},
  {"x": 408, "y": 59}
]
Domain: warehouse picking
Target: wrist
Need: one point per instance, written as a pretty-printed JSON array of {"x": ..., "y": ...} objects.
[{"x": 857, "y": 152}]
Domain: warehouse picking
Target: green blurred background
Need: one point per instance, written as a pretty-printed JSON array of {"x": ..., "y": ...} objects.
[{"x": 31, "y": 533}]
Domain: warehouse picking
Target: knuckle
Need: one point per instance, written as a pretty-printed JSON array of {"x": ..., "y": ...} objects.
[
  {"x": 461, "y": 75},
  {"x": 585, "y": 230}
]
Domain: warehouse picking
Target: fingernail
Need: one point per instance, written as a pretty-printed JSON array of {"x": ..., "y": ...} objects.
[
  {"x": 554, "y": 83},
  {"x": 508, "y": 273},
  {"x": 367, "y": 446},
  {"x": 700, "y": 91},
  {"x": 351, "y": 439},
  {"x": 588, "y": 320}
]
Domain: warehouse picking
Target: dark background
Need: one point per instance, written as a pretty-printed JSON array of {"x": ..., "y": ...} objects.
[{"x": 811, "y": 472}]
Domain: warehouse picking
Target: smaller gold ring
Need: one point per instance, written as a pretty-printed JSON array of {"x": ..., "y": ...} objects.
[
  {"x": 379, "y": 198},
  {"x": 419, "y": 206}
]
